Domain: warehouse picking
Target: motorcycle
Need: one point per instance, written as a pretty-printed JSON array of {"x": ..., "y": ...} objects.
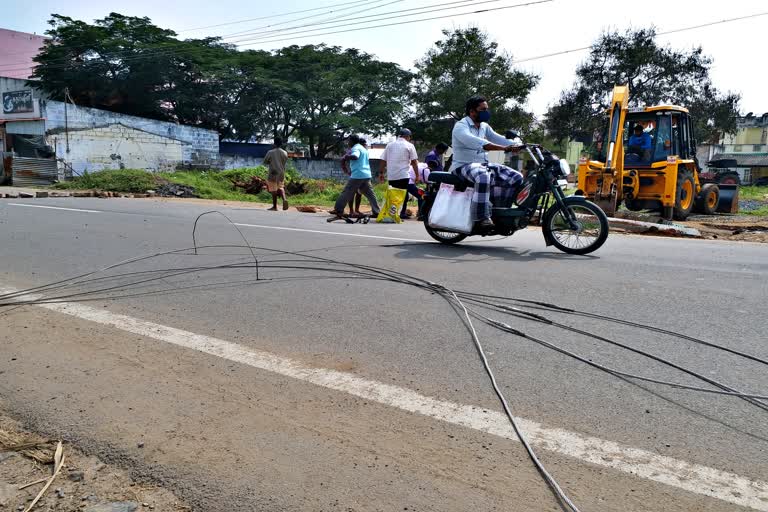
[{"x": 570, "y": 223}]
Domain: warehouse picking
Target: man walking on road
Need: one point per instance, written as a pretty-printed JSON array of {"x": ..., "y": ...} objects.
[
  {"x": 399, "y": 157},
  {"x": 359, "y": 179},
  {"x": 472, "y": 138},
  {"x": 276, "y": 159}
]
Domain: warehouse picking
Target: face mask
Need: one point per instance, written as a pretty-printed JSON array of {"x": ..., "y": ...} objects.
[{"x": 484, "y": 116}]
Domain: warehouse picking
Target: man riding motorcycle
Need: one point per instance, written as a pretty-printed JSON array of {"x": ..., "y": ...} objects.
[{"x": 472, "y": 138}]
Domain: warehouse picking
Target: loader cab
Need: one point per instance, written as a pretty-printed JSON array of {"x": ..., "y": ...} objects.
[
  {"x": 671, "y": 134},
  {"x": 669, "y": 129}
]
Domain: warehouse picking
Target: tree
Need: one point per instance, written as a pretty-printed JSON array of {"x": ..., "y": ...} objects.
[
  {"x": 465, "y": 63},
  {"x": 126, "y": 64},
  {"x": 333, "y": 92},
  {"x": 655, "y": 75},
  {"x": 317, "y": 93}
]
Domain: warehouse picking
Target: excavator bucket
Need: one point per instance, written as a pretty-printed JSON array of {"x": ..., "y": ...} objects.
[
  {"x": 729, "y": 199},
  {"x": 607, "y": 204}
]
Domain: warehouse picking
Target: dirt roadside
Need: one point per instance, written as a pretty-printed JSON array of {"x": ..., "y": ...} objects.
[{"x": 84, "y": 483}]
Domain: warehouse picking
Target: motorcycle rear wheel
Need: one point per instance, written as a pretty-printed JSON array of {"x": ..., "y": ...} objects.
[{"x": 444, "y": 237}]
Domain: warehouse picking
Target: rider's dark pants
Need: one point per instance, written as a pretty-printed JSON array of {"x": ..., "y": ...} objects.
[{"x": 484, "y": 176}]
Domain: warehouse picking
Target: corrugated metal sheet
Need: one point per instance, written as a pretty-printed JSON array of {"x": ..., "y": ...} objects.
[
  {"x": 25, "y": 127},
  {"x": 28, "y": 172}
]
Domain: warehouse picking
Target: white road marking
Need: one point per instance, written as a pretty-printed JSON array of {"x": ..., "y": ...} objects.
[
  {"x": 690, "y": 477},
  {"x": 261, "y": 226},
  {"x": 54, "y": 207}
]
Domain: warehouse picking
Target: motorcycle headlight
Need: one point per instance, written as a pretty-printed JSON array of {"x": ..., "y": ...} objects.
[{"x": 565, "y": 167}]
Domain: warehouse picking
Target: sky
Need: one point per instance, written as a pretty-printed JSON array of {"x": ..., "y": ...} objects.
[{"x": 738, "y": 48}]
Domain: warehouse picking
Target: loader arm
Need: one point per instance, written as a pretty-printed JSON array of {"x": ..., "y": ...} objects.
[{"x": 609, "y": 184}]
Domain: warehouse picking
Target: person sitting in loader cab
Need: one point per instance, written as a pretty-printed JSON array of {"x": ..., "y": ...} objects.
[{"x": 640, "y": 143}]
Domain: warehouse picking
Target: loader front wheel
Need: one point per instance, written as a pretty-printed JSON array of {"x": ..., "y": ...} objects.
[{"x": 685, "y": 195}]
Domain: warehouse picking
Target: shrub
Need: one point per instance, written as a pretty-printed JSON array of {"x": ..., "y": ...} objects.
[{"x": 115, "y": 180}]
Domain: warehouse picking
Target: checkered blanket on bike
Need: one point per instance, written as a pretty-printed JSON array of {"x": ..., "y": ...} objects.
[{"x": 494, "y": 185}]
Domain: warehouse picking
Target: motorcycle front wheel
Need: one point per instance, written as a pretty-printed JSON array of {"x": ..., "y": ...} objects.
[{"x": 587, "y": 233}]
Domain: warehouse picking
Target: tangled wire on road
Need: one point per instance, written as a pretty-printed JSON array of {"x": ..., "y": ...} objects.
[{"x": 274, "y": 265}]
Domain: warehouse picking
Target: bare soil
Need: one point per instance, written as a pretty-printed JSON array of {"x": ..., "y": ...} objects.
[{"x": 84, "y": 483}]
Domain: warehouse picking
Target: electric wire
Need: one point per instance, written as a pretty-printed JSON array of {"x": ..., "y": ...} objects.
[
  {"x": 514, "y": 61},
  {"x": 183, "y": 49},
  {"x": 271, "y": 16},
  {"x": 354, "y": 15},
  {"x": 571, "y": 311},
  {"x": 370, "y": 19},
  {"x": 276, "y": 260},
  {"x": 643, "y": 353},
  {"x": 399, "y": 277},
  {"x": 664, "y": 33}
]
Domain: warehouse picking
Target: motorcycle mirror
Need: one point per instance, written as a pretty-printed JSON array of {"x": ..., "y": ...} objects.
[{"x": 512, "y": 134}]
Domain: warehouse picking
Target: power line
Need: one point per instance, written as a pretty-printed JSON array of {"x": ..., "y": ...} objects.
[
  {"x": 199, "y": 50},
  {"x": 237, "y": 22},
  {"x": 438, "y": 6},
  {"x": 667, "y": 32},
  {"x": 348, "y": 16},
  {"x": 403, "y": 22},
  {"x": 166, "y": 48},
  {"x": 515, "y": 61},
  {"x": 357, "y": 3}
]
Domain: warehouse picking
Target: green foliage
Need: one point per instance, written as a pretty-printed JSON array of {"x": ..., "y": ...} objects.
[
  {"x": 465, "y": 63},
  {"x": 326, "y": 93},
  {"x": 316, "y": 93},
  {"x": 754, "y": 201},
  {"x": 122, "y": 180},
  {"x": 126, "y": 64},
  {"x": 655, "y": 75}
]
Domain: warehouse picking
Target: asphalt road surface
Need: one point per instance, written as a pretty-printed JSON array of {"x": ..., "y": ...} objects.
[{"x": 310, "y": 390}]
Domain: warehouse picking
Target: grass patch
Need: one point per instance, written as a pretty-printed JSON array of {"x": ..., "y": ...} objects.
[
  {"x": 121, "y": 180},
  {"x": 759, "y": 212},
  {"x": 218, "y": 185},
  {"x": 754, "y": 193}
]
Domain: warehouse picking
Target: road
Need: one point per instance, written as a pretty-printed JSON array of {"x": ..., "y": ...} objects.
[{"x": 304, "y": 392}]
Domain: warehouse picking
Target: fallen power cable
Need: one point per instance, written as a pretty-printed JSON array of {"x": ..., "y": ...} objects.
[{"x": 268, "y": 266}]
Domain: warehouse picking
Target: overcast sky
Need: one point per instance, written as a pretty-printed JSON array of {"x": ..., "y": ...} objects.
[{"x": 738, "y": 48}]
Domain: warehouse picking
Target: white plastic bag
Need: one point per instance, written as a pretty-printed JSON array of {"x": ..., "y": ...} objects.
[{"x": 452, "y": 210}]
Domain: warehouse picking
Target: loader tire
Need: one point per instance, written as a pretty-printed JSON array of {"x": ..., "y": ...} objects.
[
  {"x": 685, "y": 195},
  {"x": 633, "y": 205},
  {"x": 729, "y": 178},
  {"x": 708, "y": 198}
]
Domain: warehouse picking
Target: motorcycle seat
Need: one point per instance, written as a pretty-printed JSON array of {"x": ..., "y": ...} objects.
[{"x": 452, "y": 179}]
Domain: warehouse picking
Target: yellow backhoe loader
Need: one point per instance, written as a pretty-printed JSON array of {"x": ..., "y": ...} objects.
[{"x": 647, "y": 159}]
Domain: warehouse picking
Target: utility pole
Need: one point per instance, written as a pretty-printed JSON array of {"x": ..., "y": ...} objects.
[{"x": 66, "y": 118}]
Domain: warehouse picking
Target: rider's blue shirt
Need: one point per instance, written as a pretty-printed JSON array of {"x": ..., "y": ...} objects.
[{"x": 468, "y": 142}]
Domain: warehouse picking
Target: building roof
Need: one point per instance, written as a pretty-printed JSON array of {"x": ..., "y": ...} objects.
[
  {"x": 17, "y": 51},
  {"x": 744, "y": 159},
  {"x": 244, "y": 149}
]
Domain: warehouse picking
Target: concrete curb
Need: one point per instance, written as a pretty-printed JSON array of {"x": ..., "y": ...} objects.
[{"x": 636, "y": 226}]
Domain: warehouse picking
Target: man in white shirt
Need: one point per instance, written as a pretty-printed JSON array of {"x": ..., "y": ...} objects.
[
  {"x": 472, "y": 138},
  {"x": 399, "y": 159}
]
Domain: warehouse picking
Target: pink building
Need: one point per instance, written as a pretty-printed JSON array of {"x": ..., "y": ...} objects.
[{"x": 17, "y": 49}]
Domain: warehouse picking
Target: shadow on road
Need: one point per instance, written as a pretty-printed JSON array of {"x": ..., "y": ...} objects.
[{"x": 474, "y": 252}]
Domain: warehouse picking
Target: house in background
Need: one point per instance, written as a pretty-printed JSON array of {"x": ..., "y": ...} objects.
[
  {"x": 741, "y": 157},
  {"x": 43, "y": 141},
  {"x": 17, "y": 51}
]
